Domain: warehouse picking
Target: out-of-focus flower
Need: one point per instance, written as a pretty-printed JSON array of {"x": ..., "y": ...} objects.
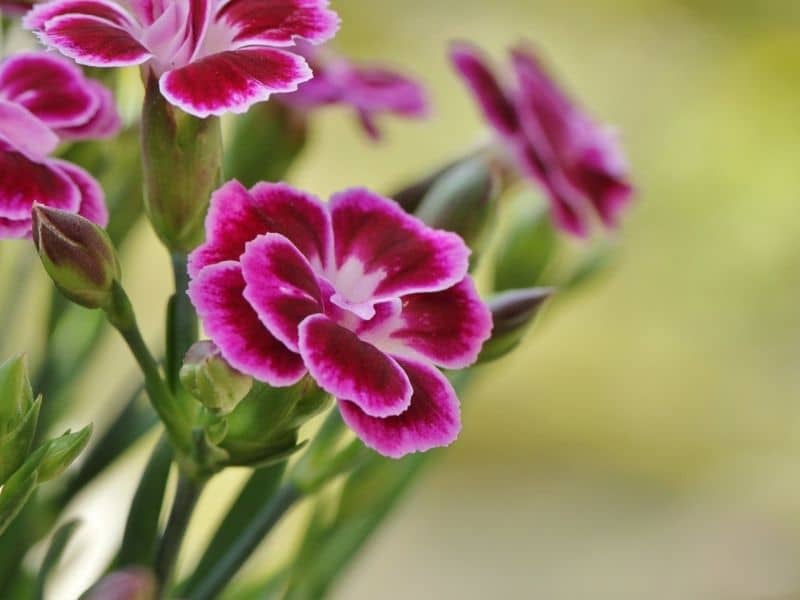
[
  {"x": 211, "y": 56},
  {"x": 128, "y": 584},
  {"x": 365, "y": 298},
  {"x": 370, "y": 90},
  {"x": 16, "y": 7},
  {"x": 577, "y": 162},
  {"x": 44, "y": 99}
]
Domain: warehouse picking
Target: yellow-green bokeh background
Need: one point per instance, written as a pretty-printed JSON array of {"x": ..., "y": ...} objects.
[{"x": 645, "y": 442}]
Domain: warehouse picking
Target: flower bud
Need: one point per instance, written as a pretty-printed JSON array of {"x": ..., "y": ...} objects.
[
  {"x": 512, "y": 313},
  {"x": 61, "y": 452},
  {"x": 19, "y": 414},
  {"x": 464, "y": 200},
  {"x": 77, "y": 254},
  {"x": 527, "y": 249},
  {"x": 210, "y": 379},
  {"x": 263, "y": 428},
  {"x": 264, "y": 143},
  {"x": 181, "y": 158},
  {"x": 135, "y": 583}
]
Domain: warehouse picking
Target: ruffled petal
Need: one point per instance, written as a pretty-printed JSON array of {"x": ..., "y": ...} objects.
[
  {"x": 22, "y": 131},
  {"x": 280, "y": 286},
  {"x": 498, "y": 109},
  {"x": 432, "y": 420},
  {"x": 51, "y": 88},
  {"x": 279, "y": 22},
  {"x": 104, "y": 123},
  {"x": 353, "y": 370},
  {"x": 381, "y": 252},
  {"x": 93, "y": 41},
  {"x": 106, "y": 10},
  {"x": 448, "y": 327},
  {"x": 237, "y": 216},
  {"x": 93, "y": 205},
  {"x": 25, "y": 182},
  {"x": 217, "y": 294},
  {"x": 233, "y": 81}
]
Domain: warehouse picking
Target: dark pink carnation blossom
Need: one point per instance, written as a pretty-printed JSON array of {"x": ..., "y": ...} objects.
[
  {"x": 44, "y": 99},
  {"x": 363, "y": 297},
  {"x": 211, "y": 56},
  {"x": 577, "y": 162},
  {"x": 369, "y": 89}
]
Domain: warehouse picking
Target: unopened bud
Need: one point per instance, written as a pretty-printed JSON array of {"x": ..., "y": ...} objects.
[
  {"x": 210, "y": 379},
  {"x": 181, "y": 158},
  {"x": 129, "y": 584},
  {"x": 527, "y": 249},
  {"x": 513, "y": 312},
  {"x": 77, "y": 254},
  {"x": 464, "y": 200},
  {"x": 264, "y": 143}
]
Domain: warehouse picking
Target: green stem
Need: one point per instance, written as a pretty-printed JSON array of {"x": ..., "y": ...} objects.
[
  {"x": 123, "y": 319},
  {"x": 186, "y": 497},
  {"x": 215, "y": 581},
  {"x": 181, "y": 321}
]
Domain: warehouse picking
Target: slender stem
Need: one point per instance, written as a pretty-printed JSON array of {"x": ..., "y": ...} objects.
[
  {"x": 186, "y": 497},
  {"x": 181, "y": 320},
  {"x": 215, "y": 581},
  {"x": 122, "y": 318}
]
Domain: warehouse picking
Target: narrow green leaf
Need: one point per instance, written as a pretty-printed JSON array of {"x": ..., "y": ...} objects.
[
  {"x": 62, "y": 451},
  {"x": 141, "y": 529},
  {"x": 58, "y": 544},
  {"x": 256, "y": 492},
  {"x": 16, "y": 445},
  {"x": 19, "y": 487}
]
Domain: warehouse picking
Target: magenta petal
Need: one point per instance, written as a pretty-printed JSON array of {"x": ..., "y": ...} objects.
[
  {"x": 25, "y": 182},
  {"x": 23, "y": 132},
  {"x": 232, "y": 221},
  {"x": 278, "y": 22},
  {"x": 231, "y": 322},
  {"x": 233, "y": 81},
  {"x": 93, "y": 42},
  {"x": 353, "y": 370},
  {"x": 105, "y": 122},
  {"x": 109, "y": 11},
  {"x": 15, "y": 228},
  {"x": 447, "y": 327},
  {"x": 237, "y": 216},
  {"x": 397, "y": 253},
  {"x": 50, "y": 87},
  {"x": 497, "y": 108},
  {"x": 280, "y": 286},
  {"x": 93, "y": 205},
  {"x": 299, "y": 216},
  {"x": 432, "y": 420}
]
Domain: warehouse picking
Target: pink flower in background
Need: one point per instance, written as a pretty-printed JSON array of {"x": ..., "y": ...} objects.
[
  {"x": 365, "y": 298},
  {"x": 15, "y": 7},
  {"x": 211, "y": 56},
  {"x": 577, "y": 163},
  {"x": 369, "y": 89},
  {"x": 44, "y": 99}
]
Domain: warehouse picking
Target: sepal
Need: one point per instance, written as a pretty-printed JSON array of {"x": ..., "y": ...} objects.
[
  {"x": 513, "y": 312},
  {"x": 208, "y": 377}
]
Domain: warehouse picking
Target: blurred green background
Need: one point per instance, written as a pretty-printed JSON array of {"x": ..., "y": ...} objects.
[{"x": 645, "y": 442}]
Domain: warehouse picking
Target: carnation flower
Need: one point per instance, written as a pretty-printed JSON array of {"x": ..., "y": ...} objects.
[
  {"x": 552, "y": 142},
  {"x": 363, "y": 297},
  {"x": 370, "y": 90},
  {"x": 211, "y": 56},
  {"x": 44, "y": 99}
]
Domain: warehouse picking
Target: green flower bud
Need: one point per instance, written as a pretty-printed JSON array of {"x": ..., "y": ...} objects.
[
  {"x": 210, "y": 379},
  {"x": 181, "y": 158},
  {"x": 77, "y": 254},
  {"x": 527, "y": 248},
  {"x": 263, "y": 428},
  {"x": 19, "y": 415},
  {"x": 464, "y": 200},
  {"x": 513, "y": 312},
  {"x": 264, "y": 143}
]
